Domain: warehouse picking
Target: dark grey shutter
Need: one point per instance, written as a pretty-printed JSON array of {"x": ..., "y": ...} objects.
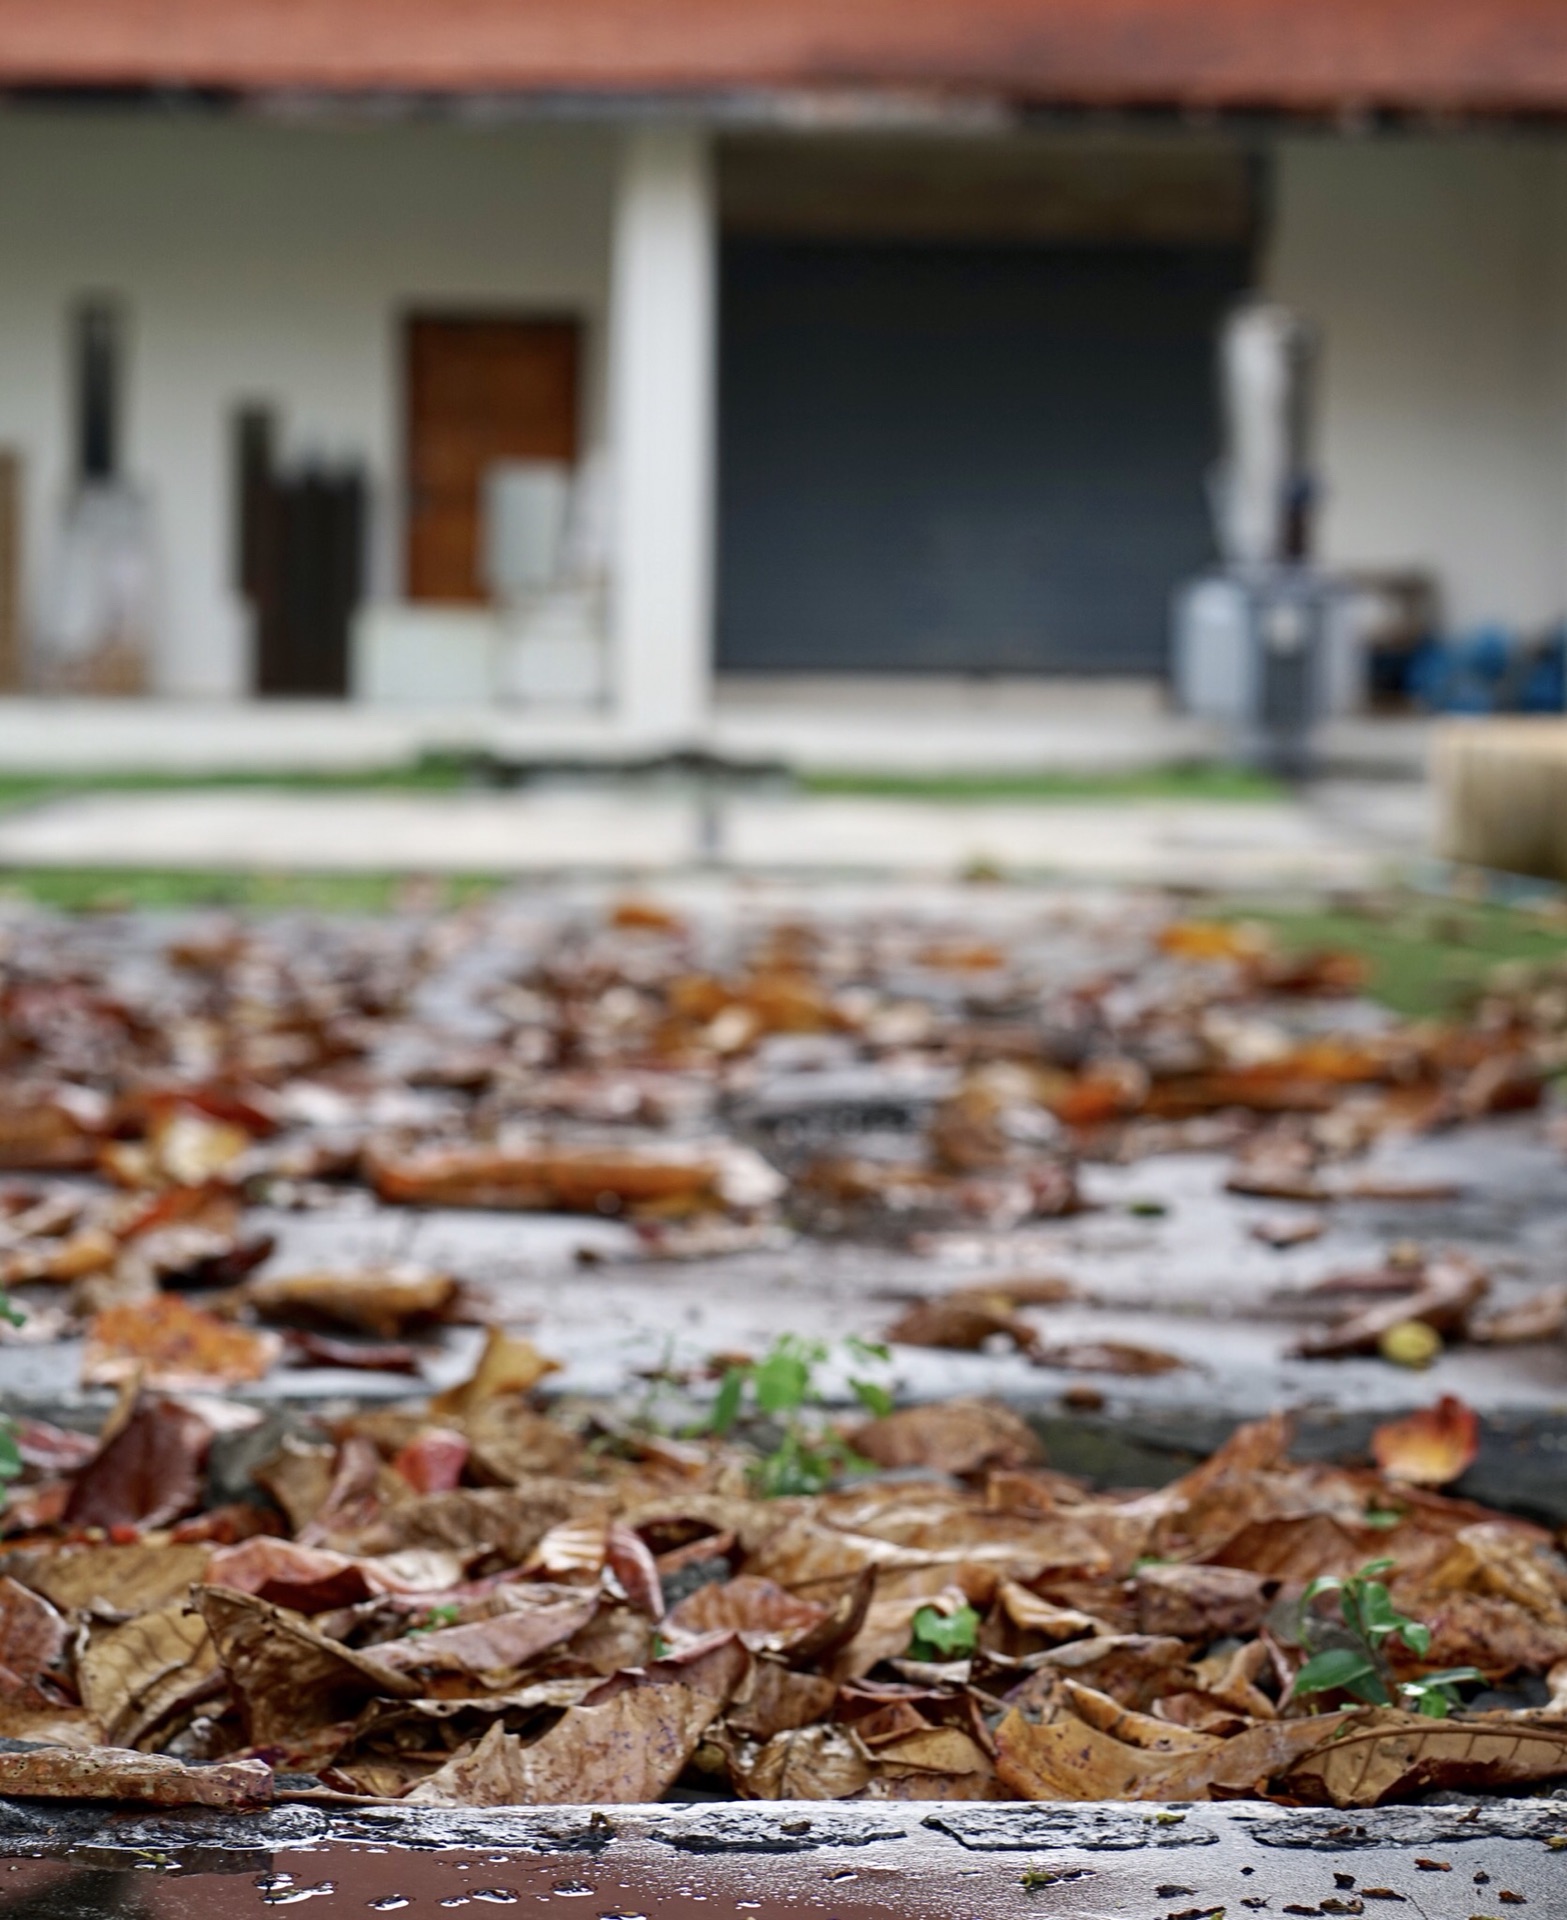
[{"x": 962, "y": 459}]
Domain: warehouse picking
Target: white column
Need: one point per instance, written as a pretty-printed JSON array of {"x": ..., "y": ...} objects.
[{"x": 661, "y": 432}]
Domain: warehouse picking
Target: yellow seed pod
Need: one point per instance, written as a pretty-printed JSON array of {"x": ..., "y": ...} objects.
[{"x": 1410, "y": 1344}]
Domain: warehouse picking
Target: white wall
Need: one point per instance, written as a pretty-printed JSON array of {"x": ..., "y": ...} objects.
[
  {"x": 1436, "y": 271},
  {"x": 270, "y": 263},
  {"x": 267, "y": 262}
]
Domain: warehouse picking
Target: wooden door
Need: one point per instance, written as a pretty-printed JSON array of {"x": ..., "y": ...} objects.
[{"x": 479, "y": 390}]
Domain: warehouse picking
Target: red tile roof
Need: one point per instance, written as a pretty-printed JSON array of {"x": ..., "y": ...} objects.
[{"x": 1310, "y": 55}]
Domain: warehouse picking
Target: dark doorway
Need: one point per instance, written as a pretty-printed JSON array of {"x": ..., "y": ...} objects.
[
  {"x": 479, "y": 391},
  {"x": 299, "y": 558},
  {"x": 958, "y": 459}
]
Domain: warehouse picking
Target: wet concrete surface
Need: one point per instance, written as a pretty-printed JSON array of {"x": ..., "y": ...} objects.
[
  {"x": 1191, "y": 1281},
  {"x": 841, "y": 1863}
]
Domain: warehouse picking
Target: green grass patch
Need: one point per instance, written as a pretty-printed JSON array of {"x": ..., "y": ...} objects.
[
  {"x": 448, "y": 773},
  {"x": 173, "y": 889},
  {"x": 1196, "y": 782},
  {"x": 1427, "y": 956},
  {"x": 436, "y": 773}
]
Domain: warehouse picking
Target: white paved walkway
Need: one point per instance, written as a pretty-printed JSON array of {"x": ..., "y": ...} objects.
[{"x": 1342, "y": 836}]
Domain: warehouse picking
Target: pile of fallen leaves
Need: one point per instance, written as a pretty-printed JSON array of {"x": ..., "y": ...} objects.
[
  {"x": 477, "y": 1602},
  {"x": 881, "y": 1077}
]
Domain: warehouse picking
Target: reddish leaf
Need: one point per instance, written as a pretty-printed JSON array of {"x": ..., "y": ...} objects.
[
  {"x": 432, "y": 1462},
  {"x": 1430, "y": 1448},
  {"x": 148, "y": 1474}
]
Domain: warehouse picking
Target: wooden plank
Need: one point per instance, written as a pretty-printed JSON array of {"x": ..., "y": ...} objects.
[{"x": 1501, "y": 790}]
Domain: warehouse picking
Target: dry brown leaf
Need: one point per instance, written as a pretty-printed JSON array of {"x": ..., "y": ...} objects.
[
  {"x": 111, "y": 1582},
  {"x": 1133, "y": 1728},
  {"x": 1447, "y": 1293},
  {"x": 1230, "y": 1679},
  {"x": 1106, "y": 1356},
  {"x": 1299, "y": 1547},
  {"x": 1431, "y": 1447},
  {"x": 150, "y": 1779},
  {"x": 614, "y": 1639},
  {"x": 659, "y": 1178},
  {"x": 949, "y": 1528},
  {"x": 170, "y": 1344},
  {"x": 1284, "y": 1230},
  {"x": 932, "y": 1750},
  {"x": 91, "y": 1250},
  {"x": 630, "y": 1740},
  {"x": 764, "y": 1614},
  {"x": 499, "y": 1524},
  {"x": 952, "y": 1436},
  {"x": 1542, "y": 1317},
  {"x": 509, "y": 1442},
  {"x": 775, "y": 1699},
  {"x": 1038, "y": 1623},
  {"x": 1381, "y": 1756},
  {"x": 888, "y": 1626},
  {"x": 1261, "y": 1178},
  {"x": 1207, "y": 941},
  {"x": 32, "y": 1639},
  {"x": 505, "y": 1631},
  {"x": 133, "y": 1676},
  {"x": 1011, "y": 1290},
  {"x": 44, "y": 1131},
  {"x": 1066, "y": 1759},
  {"x": 307, "y": 1349},
  {"x": 384, "y": 1301},
  {"x": 645, "y": 916},
  {"x": 1506, "y": 1558},
  {"x": 1490, "y": 1632},
  {"x": 575, "y": 1549},
  {"x": 357, "y": 1494},
  {"x": 1397, "y": 1192},
  {"x": 1136, "y": 1669},
  {"x": 433, "y": 1460},
  {"x": 299, "y": 1478},
  {"x": 47, "y": 1726},
  {"x": 192, "y": 1147},
  {"x": 508, "y": 1365},
  {"x": 305, "y": 1579},
  {"x": 968, "y": 1133},
  {"x": 1202, "y": 1603},
  {"x": 632, "y": 1567},
  {"x": 962, "y": 1323},
  {"x": 806, "y": 1556},
  {"x": 289, "y": 1680},
  {"x": 147, "y": 1474},
  {"x": 312, "y": 1579},
  {"x": 809, "y": 1763}
]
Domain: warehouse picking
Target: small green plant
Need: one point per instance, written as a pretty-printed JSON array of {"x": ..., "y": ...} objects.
[
  {"x": 10, "y": 1453},
  {"x": 1356, "y": 1662},
  {"x": 445, "y": 1615},
  {"x": 938, "y": 1636},
  {"x": 781, "y": 1389}
]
